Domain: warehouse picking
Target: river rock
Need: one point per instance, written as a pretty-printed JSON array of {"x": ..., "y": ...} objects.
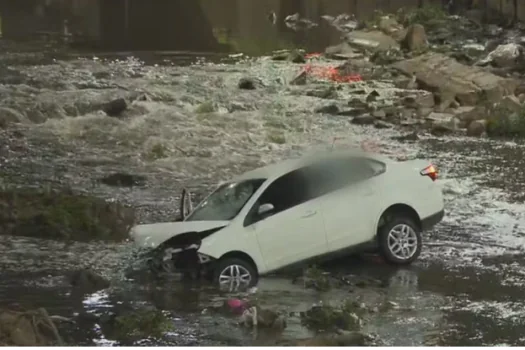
[
  {"x": 477, "y": 128},
  {"x": 328, "y": 109},
  {"x": 115, "y": 108},
  {"x": 123, "y": 180},
  {"x": 422, "y": 100},
  {"x": 63, "y": 215},
  {"x": 469, "y": 85},
  {"x": 88, "y": 281},
  {"x": 371, "y": 40},
  {"x": 246, "y": 84},
  {"x": 366, "y": 119},
  {"x": 341, "y": 51},
  {"x": 9, "y": 116},
  {"x": 344, "y": 339},
  {"x": 415, "y": 38}
]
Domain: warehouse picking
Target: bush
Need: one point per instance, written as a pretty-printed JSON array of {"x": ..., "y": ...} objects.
[
  {"x": 63, "y": 215},
  {"x": 504, "y": 122}
]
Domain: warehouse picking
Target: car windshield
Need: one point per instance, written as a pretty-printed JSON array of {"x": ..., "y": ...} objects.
[{"x": 226, "y": 202}]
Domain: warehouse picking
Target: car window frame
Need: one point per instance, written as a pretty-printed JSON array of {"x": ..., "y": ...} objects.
[{"x": 249, "y": 218}]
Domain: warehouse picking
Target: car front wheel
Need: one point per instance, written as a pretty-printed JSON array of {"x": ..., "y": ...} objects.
[
  {"x": 400, "y": 241},
  {"x": 234, "y": 274}
]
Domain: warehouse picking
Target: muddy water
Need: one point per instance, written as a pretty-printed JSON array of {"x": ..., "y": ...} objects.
[{"x": 465, "y": 290}]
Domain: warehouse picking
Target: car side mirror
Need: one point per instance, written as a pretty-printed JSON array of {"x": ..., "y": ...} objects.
[{"x": 265, "y": 209}]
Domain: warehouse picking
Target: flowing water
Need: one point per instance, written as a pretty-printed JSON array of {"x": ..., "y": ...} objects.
[{"x": 193, "y": 127}]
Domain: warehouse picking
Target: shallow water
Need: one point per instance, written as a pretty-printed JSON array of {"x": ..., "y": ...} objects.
[{"x": 465, "y": 289}]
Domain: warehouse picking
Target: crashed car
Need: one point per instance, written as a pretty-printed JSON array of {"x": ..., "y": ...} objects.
[{"x": 302, "y": 210}]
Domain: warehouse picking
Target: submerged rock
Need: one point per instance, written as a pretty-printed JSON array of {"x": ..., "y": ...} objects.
[
  {"x": 115, "y": 108},
  {"x": 246, "y": 84},
  {"x": 88, "y": 281},
  {"x": 63, "y": 215},
  {"x": 123, "y": 180},
  {"x": 135, "y": 325}
]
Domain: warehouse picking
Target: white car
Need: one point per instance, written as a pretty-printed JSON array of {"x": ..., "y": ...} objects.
[{"x": 301, "y": 210}]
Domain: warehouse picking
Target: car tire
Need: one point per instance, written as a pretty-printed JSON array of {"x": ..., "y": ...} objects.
[
  {"x": 237, "y": 266},
  {"x": 402, "y": 251}
]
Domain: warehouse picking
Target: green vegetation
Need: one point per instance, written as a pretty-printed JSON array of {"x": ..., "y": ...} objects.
[
  {"x": 505, "y": 122},
  {"x": 157, "y": 151},
  {"x": 141, "y": 324},
  {"x": 428, "y": 15},
  {"x": 63, "y": 215}
]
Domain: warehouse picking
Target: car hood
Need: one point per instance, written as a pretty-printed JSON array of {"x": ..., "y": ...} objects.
[{"x": 153, "y": 235}]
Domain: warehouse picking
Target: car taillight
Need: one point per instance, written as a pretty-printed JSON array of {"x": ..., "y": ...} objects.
[{"x": 431, "y": 172}]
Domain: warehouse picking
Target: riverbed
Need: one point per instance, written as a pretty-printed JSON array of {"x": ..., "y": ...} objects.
[{"x": 191, "y": 126}]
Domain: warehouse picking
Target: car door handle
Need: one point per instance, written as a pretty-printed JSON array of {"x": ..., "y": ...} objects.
[{"x": 309, "y": 214}]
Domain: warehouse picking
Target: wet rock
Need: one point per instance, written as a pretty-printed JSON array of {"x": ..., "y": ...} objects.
[
  {"x": 445, "y": 75},
  {"x": 263, "y": 318},
  {"x": 441, "y": 129},
  {"x": 415, "y": 38},
  {"x": 61, "y": 214},
  {"x": 372, "y": 96},
  {"x": 366, "y": 119},
  {"x": 29, "y": 328},
  {"x": 425, "y": 100},
  {"x": 137, "y": 325},
  {"x": 379, "y": 114},
  {"x": 246, "y": 84},
  {"x": 504, "y": 55},
  {"x": 300, "y": 79},
  {"x": 9, "y": 116},
  {"x": 115, "y": 108},
  {"x": 123, "y": 180},
  {"x": 390, "y": 26},
  {"x": 342, "y": 51},
  {"x": 408, "y": 137},
  {"x": 371, "y": 40},
  {"x": 329, "y": 92},
  {"x": 477, "y": 128},
  {"x": 88, "y": 281},
  {"x": 292, "y": 56},
  {"x": 382, "y": 125},
  {"x": 358, "y": 103},
  {"x": 326, "y": 318},
  {"x": 36, "y": 116},
  {"x": 345, "y": 339},
  {"x": 328, "y": 109}
]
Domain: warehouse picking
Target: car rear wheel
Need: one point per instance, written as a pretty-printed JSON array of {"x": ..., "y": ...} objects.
[
  {"x": 234, "y": 274},
  {"x": 400, "y": 241}
]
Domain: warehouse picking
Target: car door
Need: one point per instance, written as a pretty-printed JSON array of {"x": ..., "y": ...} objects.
[
  {"x": 294, "y": 230},
  {"x": 348, "y": 199}
]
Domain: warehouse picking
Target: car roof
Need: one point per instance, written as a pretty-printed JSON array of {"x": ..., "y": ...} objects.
[{"x": 276, "y": 170}]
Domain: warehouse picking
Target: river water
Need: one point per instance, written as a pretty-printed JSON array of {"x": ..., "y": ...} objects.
[{"x": 193, "y": 127}]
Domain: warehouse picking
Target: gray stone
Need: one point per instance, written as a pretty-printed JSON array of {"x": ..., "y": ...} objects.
[
  {"x": 477, "y": 128},
  {"x": 328, "y": 109},
  {"x": 366, "y": 119},
  {"x": 469, "y": 85}
]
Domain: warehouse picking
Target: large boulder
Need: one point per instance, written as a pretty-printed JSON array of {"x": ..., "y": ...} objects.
[
  {"x": 63, "y": 215},
  {"x": 468, "y": 85},
  {"x": 415, "y": 38}
]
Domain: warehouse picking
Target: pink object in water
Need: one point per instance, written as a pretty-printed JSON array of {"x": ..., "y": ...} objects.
[{"x": 235, "y": 303}]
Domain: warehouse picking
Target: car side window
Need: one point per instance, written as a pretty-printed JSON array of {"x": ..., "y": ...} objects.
[
  {"x": 333, "y": 174},
  {"x": 284, "y": 193}
]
